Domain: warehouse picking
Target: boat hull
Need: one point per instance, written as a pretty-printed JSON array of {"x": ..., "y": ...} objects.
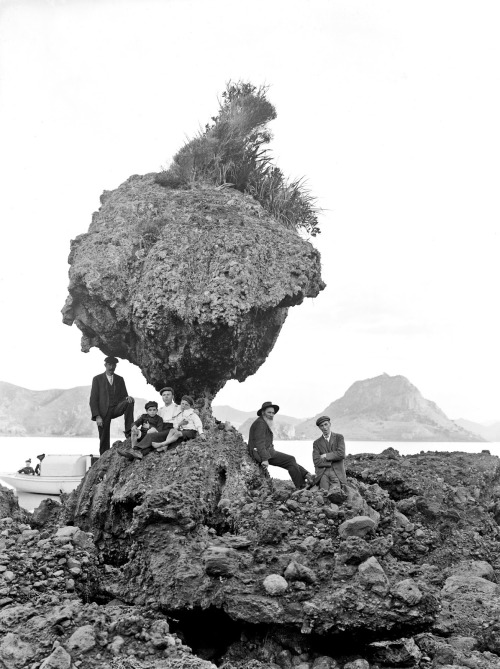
[{"x": 42, "y": 485}]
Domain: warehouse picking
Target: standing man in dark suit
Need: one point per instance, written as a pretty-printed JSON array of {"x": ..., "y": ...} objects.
[
  {"x": 108, "y": 400},
  {"x": 328, "y": 455},
  {"x": 261, "y": 449}
]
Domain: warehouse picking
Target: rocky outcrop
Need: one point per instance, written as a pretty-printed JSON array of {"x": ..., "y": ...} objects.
[
  {"x": 387, "y": 408},
  {"x": 193, "y": 285},
  {"x": 196, "y": 548},
  {"x": 180, "y": 530},
  {"x": 48, "y": 622}
]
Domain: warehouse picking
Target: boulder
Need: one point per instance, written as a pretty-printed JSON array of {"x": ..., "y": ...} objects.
[
  {"x": 193, "y": 286},
  {"x": 15, "y": 653},
  {"x": 398, "y": 653},
  {"x": 219, "y": 561},
  {"x": 275, "y": 585},
  {"x": 359, "y": 526},
  {"x": 58, "y": 659},
  {"x": 407, "y": 591},
  {"x": 82, "y": 640},
  {"x": 372, "y": 576},
  {"x": 299, "y": 572}
]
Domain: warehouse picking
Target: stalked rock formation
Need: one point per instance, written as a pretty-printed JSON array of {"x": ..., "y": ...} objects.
[{"x": 193, "y": 286}]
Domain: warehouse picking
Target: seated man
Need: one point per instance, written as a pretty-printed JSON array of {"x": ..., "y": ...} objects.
[
  {"x": 261, "y": 449},
  {"x": 328, "y": 455},
  {"x": 187, "y": 425},
  {"x": 149, "y": 422},
  {"x": 27, "y": 469}
]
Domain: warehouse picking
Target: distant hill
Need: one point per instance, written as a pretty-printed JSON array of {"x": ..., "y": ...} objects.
[
  {"x": 50, "y": 413},
  {"x": 489, "y": 432},
  {"x": 234, "y": 416},
  {"x": 387, "y": 408}
]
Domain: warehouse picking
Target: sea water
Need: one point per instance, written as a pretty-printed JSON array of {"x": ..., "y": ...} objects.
[{"x": 15, "y": 450}]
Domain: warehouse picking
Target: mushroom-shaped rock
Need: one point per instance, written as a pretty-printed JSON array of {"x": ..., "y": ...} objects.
[
  {"x": 193, "y": 285},
  {"x": 275, "y": 585},
  {"x": 372, "y": 576},
  {"x": 359, "y": 526}
]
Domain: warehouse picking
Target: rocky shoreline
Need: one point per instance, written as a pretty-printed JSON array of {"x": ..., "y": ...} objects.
[{"x": 194, "y": 559}]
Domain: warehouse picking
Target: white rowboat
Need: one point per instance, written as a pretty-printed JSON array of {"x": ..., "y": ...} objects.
[{"x": 58, "y": 473}]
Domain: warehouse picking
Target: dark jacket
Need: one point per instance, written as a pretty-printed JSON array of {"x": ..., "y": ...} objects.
[
  {"x": 155, "y": 421},
  {"x": 335, "y": 454},
  {"x": 260, "y": 441},
  {"x": 99, "y": 394}
]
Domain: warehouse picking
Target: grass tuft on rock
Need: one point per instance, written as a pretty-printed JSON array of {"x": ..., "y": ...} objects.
[{"x": 232, "y": 151}]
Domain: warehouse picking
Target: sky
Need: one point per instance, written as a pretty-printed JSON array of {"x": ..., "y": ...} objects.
[{"x": 389, "y": 109}]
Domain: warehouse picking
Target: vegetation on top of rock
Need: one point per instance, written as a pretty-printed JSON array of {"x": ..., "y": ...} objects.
[{"x": 231, "y": 150}]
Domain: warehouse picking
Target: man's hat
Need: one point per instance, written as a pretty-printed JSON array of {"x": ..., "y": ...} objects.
[
  {"x": 111, "y": 359},
  {"x": 188, "y": 399},
  {"x": 150, "y": 404},
  {"x": 171, "y": 390},
  {"x": 322, "y": 419},
  {"x": 267, "y": 405},
  {"x": 28, "y": 460}
]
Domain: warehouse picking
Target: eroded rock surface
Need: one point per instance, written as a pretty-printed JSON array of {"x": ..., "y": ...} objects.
[
  {"x": 193, "y": 286},
  {"x": 195, "y": 547}
]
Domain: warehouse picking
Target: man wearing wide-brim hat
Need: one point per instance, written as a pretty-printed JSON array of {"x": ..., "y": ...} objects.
[
  {"x": 261, "y": 449},
  {"x": 109, "y": 399},
  {"x": 329, "y": 455}
]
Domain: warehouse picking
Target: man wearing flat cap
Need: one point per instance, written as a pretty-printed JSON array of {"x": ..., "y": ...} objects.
[
  {"x": 261, "y": 449},
  {"x": 328, "y": 455},
  {"x": 109, "y": 399}
]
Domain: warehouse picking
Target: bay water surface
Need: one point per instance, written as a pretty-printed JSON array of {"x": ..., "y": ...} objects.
[{"x": 15, "y": 450}]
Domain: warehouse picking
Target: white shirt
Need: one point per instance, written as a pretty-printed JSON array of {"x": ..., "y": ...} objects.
[
  {"x": 193, "y": 421},
  {"x": 110, "y": 378},
  {"x": 168, "y": 413},
  {"x": 328, "y": 436}
]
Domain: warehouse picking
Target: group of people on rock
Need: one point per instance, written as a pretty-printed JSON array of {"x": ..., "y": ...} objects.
[{"x": 162, "y": 428}]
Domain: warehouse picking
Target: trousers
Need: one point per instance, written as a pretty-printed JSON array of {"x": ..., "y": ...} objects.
[
  {"x": 155, "y": 437},
  {"x": 288, "y": 462},
  {"x": 123, "y": 408},
  {"x": 328, "y": 477}
]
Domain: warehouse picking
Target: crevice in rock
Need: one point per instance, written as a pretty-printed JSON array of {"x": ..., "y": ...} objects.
[{"x": 213, "y": 635}]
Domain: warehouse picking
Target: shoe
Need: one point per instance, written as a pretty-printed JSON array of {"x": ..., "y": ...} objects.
[
  {"x": 125, "y": 454},
  {"x": 127, "y": 434},
  {"x": 136, "y": 454}
]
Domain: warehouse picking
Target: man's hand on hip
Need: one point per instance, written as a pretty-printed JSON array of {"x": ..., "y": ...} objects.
[{"x": 99, "y": 421}]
